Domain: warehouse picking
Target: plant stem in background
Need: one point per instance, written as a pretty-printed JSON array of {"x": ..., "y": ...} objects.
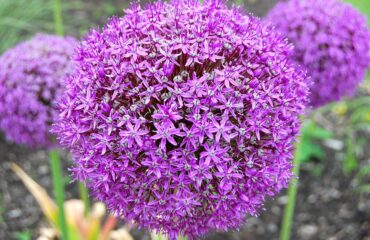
[
  {"x": 292, "y": 194},
  {"x": 238, "y": 2},
  {"x": 159, "y": 236},
  {"x": 58, "y": 20},
  {"x": 84, "y": 196},
  {"x": 58, "y": 183},
  {"x": 54, "y": 156}
]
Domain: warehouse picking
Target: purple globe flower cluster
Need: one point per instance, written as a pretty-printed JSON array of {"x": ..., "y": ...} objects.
[
  {"x": 182, "y": 116},
  {"x": 30, "y": 80},
  {"x": 331, "y": 41}
]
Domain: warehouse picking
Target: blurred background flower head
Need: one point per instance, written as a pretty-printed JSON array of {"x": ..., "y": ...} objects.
[
  {"x": 332, "y": 41},
  {"x": 31, "y": 78}
]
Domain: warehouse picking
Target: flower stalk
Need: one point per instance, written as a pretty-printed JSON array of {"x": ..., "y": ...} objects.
[
  {"x": 292, "y": 195},
  {"x": 58, "y": 186},
  {"x": 58, "y": 19},
  {"x": 56, "y": 169},
  {"x": 84, "y": 196}
]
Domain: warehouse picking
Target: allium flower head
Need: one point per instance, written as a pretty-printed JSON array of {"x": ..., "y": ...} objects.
[
  {"x": 182, "y": 116},
  {"x": 30, "y": 80},
  {"x": 331, "y": 41}
]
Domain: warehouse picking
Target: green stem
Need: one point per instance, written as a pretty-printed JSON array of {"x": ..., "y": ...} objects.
[
  {"x": 58, "y": 20},
  {"x": 58, "y": 184},
  {"x": 54, "y": 156},
  {"x": 292, "y": 194},
  {"x": 84, "y": 195},
  {"x": 238, "y": 2},
  {"x": 159, "y": 236}
]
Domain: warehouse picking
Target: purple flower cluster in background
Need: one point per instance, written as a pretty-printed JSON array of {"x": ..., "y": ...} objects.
[
  {"x": 331, "y": 41},
  {"x": 182, "y": 116},
  {"x": 30, "y": 80}
]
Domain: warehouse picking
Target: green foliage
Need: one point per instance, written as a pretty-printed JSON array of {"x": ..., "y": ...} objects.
[
  {"x": 353, "y": 145},
  {"x": 108, "y": 9},
  {"x": 18, "y": 21},
  {"x": 308, "y": 147},
  {"x": 364, "y": 172},
  {"x": 356, "y": 115},
  {"x": 58, "y": 17},
  {"x": 358, "y": 119},
  {"x": 159, "y": 236},
  {"x": 21, "y": 19},
  {"x": 84, "y": 196},
  {"x": 59, "y": 193},
  {"x": 350, "y": 162},
  {"x": 25, "y": 235},
  {"x": 364, "y": 188},
  {"x": 363, "y": 177}
]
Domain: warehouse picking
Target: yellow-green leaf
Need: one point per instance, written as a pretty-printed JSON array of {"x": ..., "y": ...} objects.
[{"x": 47, "y": 205}]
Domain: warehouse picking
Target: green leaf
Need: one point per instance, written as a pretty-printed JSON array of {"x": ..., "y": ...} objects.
[
  {"x": 308, "y": 148},
  {"x": 25, "y": 235},
  {"x": 158, "y": 236},
  {"x": 350, "y": 161},
  {"x": 58, "y": 186},
  {"x": 47, "y": 204},
  {"x": 364, "y": 171},
  {"x": 312, "y": 131},
  {"x": 365, "y": 188},
  {"x": 360, "y": 114},
  {"x": 362, "y": 176}
]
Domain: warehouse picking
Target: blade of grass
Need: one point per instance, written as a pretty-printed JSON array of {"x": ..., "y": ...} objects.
[
  {"x": 84, "y": 196},
  {"x": 158, "y": 236},
  {"x": 54, "y": 156},
  {"x": 47, "y": 205},
  {"x": 58, "y": 20},
  {"x": 292, "y": 194},
  {"x": 25, "y": 235},
  {"x": 56, "y": 171}
]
